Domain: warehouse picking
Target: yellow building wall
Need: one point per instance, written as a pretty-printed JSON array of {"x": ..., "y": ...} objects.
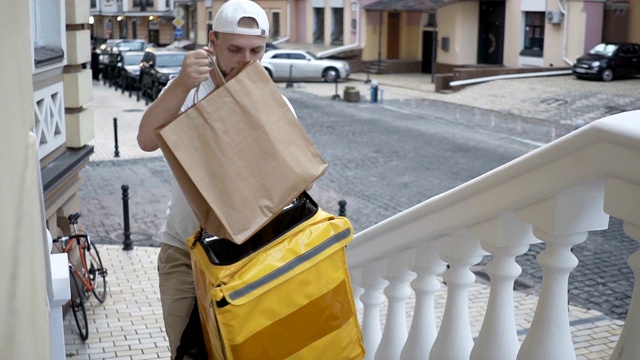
[
  {"x": 458, "y": 22},
  {"x": 372, "y": 34},
  {"x": 513, "y": 33},
  {"x": 558, "y": 51},
  {"x": 410, "y": 39}
]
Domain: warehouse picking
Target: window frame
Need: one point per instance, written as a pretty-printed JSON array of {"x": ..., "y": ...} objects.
[
  {"x": 537, "y": 28},
  {"x": 48, "y": 32}
]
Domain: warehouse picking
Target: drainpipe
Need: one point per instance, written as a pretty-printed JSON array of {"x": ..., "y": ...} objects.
[
  {"x": 565, "y": 11},
  {"x": 350, "y": 46},
  {"x": 279, "y": 41}
]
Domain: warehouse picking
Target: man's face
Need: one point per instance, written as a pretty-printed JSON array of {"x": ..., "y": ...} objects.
[{"x": 233, "y": 50}]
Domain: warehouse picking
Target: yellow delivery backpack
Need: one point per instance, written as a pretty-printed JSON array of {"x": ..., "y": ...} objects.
[{"x": 284, "y": 294}]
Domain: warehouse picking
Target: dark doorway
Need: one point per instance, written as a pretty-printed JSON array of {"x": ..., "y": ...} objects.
[
  {"x": 134, "y": 29},
  {"x": 154, "y": 37},
  {"x": 393, "y": 36},
  {"x": 428, "y": 45},
  {"x": 491, "y": 32}
]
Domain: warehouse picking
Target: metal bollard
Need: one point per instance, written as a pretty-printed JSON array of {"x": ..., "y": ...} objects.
[
  {"x": 128, "y": 244},
  {"x": 290, "y": 82},
  {"x": 336, "y": 96},
  {"x": 342, "y": 208},
  {"x": 116, "y": 153}
]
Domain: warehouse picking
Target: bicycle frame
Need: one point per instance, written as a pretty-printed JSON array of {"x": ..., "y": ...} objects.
[{"x": 84, "y": 248}]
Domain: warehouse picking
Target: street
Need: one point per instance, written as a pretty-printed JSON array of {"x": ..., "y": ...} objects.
[{"x": 382, "y": 159}]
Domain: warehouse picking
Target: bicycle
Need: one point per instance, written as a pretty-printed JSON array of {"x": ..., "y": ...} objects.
[{"x": 86, "y": 279}]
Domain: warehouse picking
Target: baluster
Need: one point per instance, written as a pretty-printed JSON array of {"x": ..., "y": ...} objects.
[
  {"x": 397, "y": 292},
  {"x": 505, "y": 238},
  {"x": 357, "y": 291},
  {"x": 371, "y": 298},
  {"x": 621, "y": 200},
  {"x": 454, "y": 340},
  {"x": 550, "y": 335},
  {"x": 561, "y": 222},
  {"x": 423, "y": 326}
]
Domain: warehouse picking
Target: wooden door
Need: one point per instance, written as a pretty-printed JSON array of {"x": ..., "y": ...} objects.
[{"x": 393, "y": 36}]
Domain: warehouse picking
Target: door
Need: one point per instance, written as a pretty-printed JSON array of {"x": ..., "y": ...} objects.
[
  {"x": 428, "y": 46},
  {"x": 491, "y": 32},
  {"x": 154, "y": 37},
  {"x": 393, "y": 36}
]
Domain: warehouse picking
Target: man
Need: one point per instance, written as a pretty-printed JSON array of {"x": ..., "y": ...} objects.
[{"x": 239, "y": 35}]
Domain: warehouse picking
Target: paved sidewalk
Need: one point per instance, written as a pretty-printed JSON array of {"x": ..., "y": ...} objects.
[{"x": 129, "y": 324}]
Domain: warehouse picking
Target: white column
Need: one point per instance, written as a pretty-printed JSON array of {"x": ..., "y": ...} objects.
[
  {"x": 371, "y": 299},
  {"x": 454, "y": 340},
  {"x": 505, "y": 238},
  {"x": 622, "y": 200},
  {"x": 423, "y": 325},
  {"x": 561, "y": 222},
  {"x": 397, "y": 292}
]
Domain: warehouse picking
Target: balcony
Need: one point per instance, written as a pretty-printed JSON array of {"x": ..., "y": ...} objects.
[{"x": 555, "y": 195}]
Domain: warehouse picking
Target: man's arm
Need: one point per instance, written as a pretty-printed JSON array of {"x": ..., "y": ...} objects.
[{"x": 195, "y": 70}]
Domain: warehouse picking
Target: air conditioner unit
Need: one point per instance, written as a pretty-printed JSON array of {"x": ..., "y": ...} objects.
[{"x": 554, "y": 17}]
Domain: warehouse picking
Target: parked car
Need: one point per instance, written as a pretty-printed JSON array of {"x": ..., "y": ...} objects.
[
  {"x": 110, "y": 50},
  {"x": 128, "y": 69},
  {"x": 607, "y": 61},
  {"x": 110, "y": 53},
  {"x": 303, "y": 65},
  {"x": 157, "y": 68}
]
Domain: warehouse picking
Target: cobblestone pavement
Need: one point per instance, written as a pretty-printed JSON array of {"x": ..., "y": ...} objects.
[{"x": 148, "y": 176}]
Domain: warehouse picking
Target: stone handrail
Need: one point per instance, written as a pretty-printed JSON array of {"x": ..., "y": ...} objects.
[{"x": 555, "y": 194}]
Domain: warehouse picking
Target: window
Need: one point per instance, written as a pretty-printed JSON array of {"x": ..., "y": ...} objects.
[
  {"x": 318, "y": 29},
  {"x": 297, "y": 57},
  {"x": 48, "y": 29},
  {"x": 275, "y": 25},
  {"x": 430, "y": 20},
  {"x": 337, "y": 30},
  {"x": 533, "y": 34},
  {"x": 143, "y": 4}
]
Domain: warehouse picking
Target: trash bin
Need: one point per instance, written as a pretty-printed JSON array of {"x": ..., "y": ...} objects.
[{"x": 374, "y": 92}]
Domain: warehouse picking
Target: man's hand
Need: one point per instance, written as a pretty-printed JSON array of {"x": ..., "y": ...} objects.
[{"x": 195, "y": 68}]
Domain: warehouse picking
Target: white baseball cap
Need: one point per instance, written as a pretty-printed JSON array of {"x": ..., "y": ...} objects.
[{"x": 227, "y": 18}]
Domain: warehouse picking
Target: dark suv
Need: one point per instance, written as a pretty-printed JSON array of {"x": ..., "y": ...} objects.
[{"x": 157, "y": 68}]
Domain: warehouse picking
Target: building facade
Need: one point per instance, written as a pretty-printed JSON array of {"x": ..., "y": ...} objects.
[{"x": 513, "y": 33}]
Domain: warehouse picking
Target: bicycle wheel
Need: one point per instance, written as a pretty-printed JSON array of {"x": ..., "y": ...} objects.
[
  {"x": 77, "y": 305},
  {"x": 98, "y": 275}
]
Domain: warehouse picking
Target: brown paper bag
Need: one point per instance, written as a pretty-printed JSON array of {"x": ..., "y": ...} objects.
[{"x": 240, "y": 155}]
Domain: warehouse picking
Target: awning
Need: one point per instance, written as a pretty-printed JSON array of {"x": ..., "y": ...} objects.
[{"x": 409, "y": 5}]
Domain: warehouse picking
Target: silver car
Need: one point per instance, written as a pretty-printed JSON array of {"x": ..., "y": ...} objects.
[{"x": 303, "y": 65}]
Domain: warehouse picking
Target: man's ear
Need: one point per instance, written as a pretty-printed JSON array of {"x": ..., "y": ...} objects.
[{"x": 212, "y": 40}]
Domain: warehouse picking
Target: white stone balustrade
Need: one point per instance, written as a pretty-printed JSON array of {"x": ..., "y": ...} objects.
[{"x": 556, "y": 194}]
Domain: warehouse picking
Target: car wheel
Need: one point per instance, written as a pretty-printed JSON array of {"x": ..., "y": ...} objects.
[
  {"x": 607, "y": 75},
  {"x": 330, "y": 74},
  {"x": 269, "y": 72}
]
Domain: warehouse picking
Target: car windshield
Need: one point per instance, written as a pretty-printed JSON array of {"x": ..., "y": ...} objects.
[
  {"x": 603, "y": 49},
  {"x": 169, "y": 60},
  {"x": 132, "y": 59}
]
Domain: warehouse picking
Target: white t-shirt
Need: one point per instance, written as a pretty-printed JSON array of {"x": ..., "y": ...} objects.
[{"x": 181, "y": 222}]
